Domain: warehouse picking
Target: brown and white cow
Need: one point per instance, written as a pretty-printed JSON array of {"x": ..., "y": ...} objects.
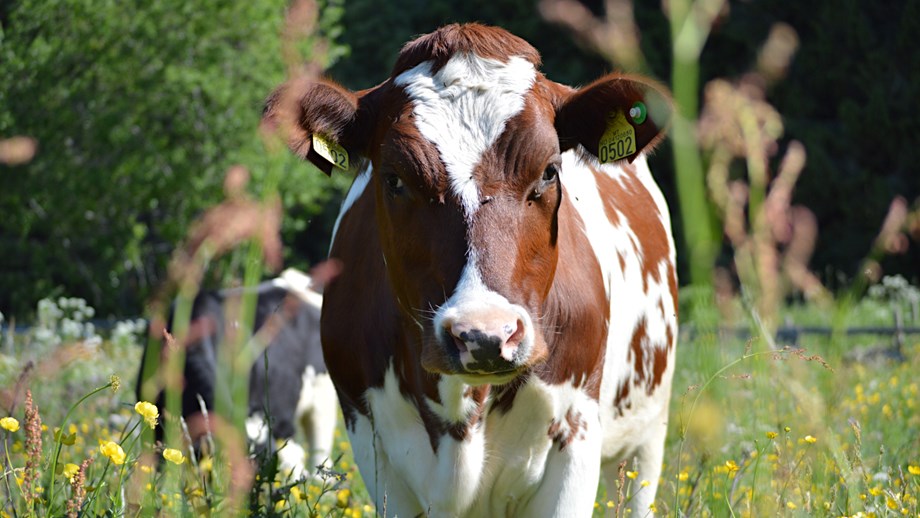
[{"x": 504, "y": 326}]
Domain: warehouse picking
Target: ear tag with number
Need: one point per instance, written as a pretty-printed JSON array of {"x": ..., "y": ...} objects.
[
  {"x": 331, "y": 151},
  {"x": 618, "y": 140}
]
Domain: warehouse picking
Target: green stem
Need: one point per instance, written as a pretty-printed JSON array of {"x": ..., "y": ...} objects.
[
  {"x": 699, "y": 394},
  {"x": 58, "y": 442}
]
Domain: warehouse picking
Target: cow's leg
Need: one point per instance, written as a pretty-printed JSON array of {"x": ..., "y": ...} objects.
[
  {"x": 571, "y": 477},
  {"x": 319, "y": 423},
  {"x": 386, "y": 487},
  {"x": 646, "y": 461}
]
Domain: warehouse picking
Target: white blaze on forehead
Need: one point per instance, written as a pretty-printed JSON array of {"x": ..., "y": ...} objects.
[{"x": 462, "y": 109}]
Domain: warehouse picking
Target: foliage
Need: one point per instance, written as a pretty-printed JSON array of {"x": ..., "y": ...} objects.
[{"x": 138, "y": 109}]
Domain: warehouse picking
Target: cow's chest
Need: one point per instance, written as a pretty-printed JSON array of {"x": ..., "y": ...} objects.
[{"x": 496, "y": 468}]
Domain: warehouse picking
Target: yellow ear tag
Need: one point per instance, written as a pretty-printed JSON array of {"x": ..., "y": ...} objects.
[
  {"x": 331, "y": 151},
  {"x": 618, "y": 140}
]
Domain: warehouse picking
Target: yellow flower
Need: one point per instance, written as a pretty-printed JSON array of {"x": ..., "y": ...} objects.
[
  {"x": 790, "y": 505},
  {"x": 875, "y": 491},
  {"x": 771, "y": 435},
  {"x": 113, "y": 451},
  {"x": 683, "y": 476},
  {"x": 9, "y": 424},
  {"x": 205, "y": 464},
  {"x": 731, "y": 466},
  {"x": 280, "y": 504},
  {"x": 173, "y": 455},
  {"x": 297, "y": 494},
  {"x": 652, "y": 507},
  {"x": 632, "y": 474},
  {"x": 913, "y": 470},
  {"x": 148, "y": 411},
  {"x": 70, "y": 471},
  {"x": 810, "y": 440},
  {"x": 644, "y": 483},
  {"x": 787, "y": 429},
  {"x": 341, "y": 497}
]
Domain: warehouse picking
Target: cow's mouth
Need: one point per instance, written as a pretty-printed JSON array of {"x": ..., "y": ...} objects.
[{"x": 476, "y": 379}]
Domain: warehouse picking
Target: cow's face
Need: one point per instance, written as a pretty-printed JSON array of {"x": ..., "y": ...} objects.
[{"x": 465, "y": 150}]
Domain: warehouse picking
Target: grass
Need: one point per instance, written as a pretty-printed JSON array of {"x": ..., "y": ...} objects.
[{"x": 754, "y": 432}]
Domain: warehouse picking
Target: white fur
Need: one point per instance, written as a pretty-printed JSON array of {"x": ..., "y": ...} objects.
[
  {"x": 354, "y": 192},
  {"x": 530, "y": 475},
  {"x": 301, "y": 285},
  {"x": 463, "y": 109}
]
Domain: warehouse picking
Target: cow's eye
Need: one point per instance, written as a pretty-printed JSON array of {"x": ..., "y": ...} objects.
[
  {"x": 394, "y": 183},
  {"x": 550, "y": 173}
]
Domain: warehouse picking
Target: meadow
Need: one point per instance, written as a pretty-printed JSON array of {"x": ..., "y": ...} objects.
[{"x": 757, "y": 429}]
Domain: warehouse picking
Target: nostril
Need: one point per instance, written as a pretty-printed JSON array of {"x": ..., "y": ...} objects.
[
  {"x": 518, "y": 335},
  {"x": 510, "y": 347}
]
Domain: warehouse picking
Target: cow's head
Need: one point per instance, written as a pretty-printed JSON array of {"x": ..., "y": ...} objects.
[{"x": 465, "y": 140}]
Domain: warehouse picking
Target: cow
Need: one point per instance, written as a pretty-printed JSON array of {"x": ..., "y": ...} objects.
[
  {"x": 289, "y": 385},
  {"x": 504, "y": 327}
]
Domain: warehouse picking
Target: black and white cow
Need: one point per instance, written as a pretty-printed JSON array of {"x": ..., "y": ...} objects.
[{"x": 288, "y": 381}]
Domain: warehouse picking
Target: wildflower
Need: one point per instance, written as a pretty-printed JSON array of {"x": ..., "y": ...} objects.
[
  {"x": 771, "y": 435},
  {"x": 875, "y": 491},
  {"x": 114, "y": 452},
  {"x": 341, "y": 497},
  {"x": 297, "y": 495},
  {"x": 810, "y": 440},
  {"x": 787, "y": 429},
  {"x": 644, "y": 483},
  {"x": 205, "y": 464},
  {"x": 9, "y": 424},
  {"x": 632, "y": 474},
  {"x": 731, "y": 467},
  {"x": 791, "y": 505},
  {"x": 652, "y": 507},
  {"x": 33, "y": 446},
  {"x": 173, "y": 455},
  {"x": 70, "y": 470},
  {"x": 683, "y": 476},
  {"x": 280, "y": 505},
  {"x": 610, "y": 504},
  {"x": 115, "y": 381},
  {"x": 148, "y": 411},
  {"x": 913, "y": 470},
  {"x": 77, "y": 488}
]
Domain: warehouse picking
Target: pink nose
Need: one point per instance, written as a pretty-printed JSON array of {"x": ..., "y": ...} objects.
[{"x": 488, "y": 341}]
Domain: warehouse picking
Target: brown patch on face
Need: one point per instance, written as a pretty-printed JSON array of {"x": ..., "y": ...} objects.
[
  {"x": 576, "y": 311},
  {"x": 357, "y": 356},
  {"x": 471, "y": 38},
  {"x": 575, "y": 429}
]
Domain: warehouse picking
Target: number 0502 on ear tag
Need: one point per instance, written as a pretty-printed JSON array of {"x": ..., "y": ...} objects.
[
  {"x": 331, "y": 151},
  {"x": 618, "y": 140}
]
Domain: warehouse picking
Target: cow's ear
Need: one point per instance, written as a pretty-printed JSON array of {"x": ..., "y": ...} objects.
[
  {"x": 321, "y": 121},
  {"x": 614, "y": 118}
]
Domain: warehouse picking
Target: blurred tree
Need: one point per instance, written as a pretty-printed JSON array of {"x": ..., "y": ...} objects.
[{"x": 138, "y": 109}]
